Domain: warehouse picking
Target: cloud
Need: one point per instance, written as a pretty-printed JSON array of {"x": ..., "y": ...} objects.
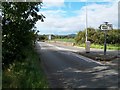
[
  {"x": 98, "y": 14},
  {"x": 53, "y": 3},
  {"x": 91, "y": 0},
  {"x": 56, "y": 21}
]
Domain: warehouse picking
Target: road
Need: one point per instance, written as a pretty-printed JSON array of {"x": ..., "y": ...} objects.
[{"x": 65, "y": 69}]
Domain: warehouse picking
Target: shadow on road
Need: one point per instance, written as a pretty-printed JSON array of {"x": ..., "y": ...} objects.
[{"x": 64, "y": 70}]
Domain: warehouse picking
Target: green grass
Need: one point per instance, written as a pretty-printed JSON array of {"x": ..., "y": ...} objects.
[
  {"x": 98, "y": 46},
  {"x": 66, "y": 40},
  {"x": 27, "y": 74}
]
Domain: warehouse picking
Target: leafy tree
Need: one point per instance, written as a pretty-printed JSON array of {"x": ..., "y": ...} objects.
[
  {"x": 18, "y": 21},
  {"x": 97, "y": 36},
  {"x": 43, "y": 37},
  {"x": 80, "y": 37},
  {"x": 91, "y": 34}
]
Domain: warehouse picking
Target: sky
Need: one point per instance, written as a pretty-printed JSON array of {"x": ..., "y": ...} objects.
[{"x": 69, "y": 16}]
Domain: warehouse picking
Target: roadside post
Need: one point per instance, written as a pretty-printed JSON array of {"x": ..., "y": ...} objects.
[
  {"x": 105, "y": 27},
  {"x": 49, "y": 37},
  {"x": 87, "y": 46}
]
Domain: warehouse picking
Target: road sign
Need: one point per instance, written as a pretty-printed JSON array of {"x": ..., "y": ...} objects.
[{"x": 106, "y": 27}]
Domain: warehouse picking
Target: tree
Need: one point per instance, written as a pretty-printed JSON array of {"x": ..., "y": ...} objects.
[
  {"x": 91, "y": 34},
  {"x": 97, "y": 36},
  {"x": 18, "y": 21},
  {"x": 80, "y": 37}
]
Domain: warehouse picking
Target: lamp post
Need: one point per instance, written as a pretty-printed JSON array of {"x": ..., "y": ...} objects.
[
  {"x": 86, "y": 22},
  {"x": 87, "y": 43}
]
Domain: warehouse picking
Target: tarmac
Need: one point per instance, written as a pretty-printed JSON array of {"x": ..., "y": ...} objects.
[{"x": 111, "y": 58}]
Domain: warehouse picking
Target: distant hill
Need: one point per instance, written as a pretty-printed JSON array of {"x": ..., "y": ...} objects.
[{"x": 64, "y": 36}]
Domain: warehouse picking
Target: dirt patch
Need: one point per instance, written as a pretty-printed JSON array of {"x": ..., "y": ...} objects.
[
  {"x": 98, "y": 56},
  {"x": 63, "y": 43}
]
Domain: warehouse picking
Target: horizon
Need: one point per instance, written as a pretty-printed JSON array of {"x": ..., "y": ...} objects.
[{"x": 59, "y": 34}]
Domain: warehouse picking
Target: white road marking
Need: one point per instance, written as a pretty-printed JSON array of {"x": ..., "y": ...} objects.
[
  {"x": 84, "y": 58},
  {"x": 70, "y": 53}
]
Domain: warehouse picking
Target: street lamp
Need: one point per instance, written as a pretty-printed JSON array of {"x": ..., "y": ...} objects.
[
  {"x": 105, "y": 27},
  {"x": 86, "y": 22},
  {"x": 87, "y": 43}
]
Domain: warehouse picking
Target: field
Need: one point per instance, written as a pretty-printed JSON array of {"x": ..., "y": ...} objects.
[
  {"x": 98, "y": 46},
  {"x": 65, "y": 40}
]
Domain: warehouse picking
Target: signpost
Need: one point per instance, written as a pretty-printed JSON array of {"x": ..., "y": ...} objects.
[{"x": 105, "y": 27}]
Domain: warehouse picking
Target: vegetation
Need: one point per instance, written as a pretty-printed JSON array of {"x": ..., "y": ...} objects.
[
  {"x": 20, "y": 62},
  {"x": 26, "y": 74},
  {"x": 66, "y": 40},
  {"x": 70, "y": 36},
  {"x": 18, "y": 29},
  {"x": 42, "y": 37},
  {"x": 96, "y": 37},
  {"x": 98, "y": 46}
]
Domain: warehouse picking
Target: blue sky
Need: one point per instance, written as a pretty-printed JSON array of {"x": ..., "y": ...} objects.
[{"x": 66, "y": 17}]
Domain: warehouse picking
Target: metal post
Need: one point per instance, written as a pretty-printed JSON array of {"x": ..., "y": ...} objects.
[{"x": 105, "y": 46}]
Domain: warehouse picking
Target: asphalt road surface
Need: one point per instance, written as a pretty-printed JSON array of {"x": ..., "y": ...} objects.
[{"x": 65, "y": 69}]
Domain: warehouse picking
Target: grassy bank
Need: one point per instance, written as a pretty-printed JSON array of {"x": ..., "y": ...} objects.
[
  {"x": 25, "y": 74},
  {"x": 98, "y": 46}
]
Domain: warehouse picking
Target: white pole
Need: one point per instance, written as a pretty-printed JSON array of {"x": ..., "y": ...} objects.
[
  {"x": 86, "y": 21},
  {"x": 87, "y": 43}
]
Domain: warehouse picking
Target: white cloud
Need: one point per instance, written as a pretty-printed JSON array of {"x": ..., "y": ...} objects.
[
  {"x": 100, "y": 13},
  {"x": 53, "y": 3},
  {"x": 56, "y": 23},
  {"x": 92, "y": 0}
]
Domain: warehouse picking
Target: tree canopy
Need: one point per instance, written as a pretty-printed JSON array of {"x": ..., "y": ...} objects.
[
  {"x": 18, "y": 32},
  {"x": 97, "y": 36}
]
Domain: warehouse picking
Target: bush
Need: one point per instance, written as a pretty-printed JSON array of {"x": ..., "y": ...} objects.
[{"x": 97, "y": 36}]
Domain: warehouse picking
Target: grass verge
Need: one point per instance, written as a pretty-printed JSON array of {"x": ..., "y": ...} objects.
[
  {"x": 98, "y": 46},
  {"x": 26, "y": 74}
]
